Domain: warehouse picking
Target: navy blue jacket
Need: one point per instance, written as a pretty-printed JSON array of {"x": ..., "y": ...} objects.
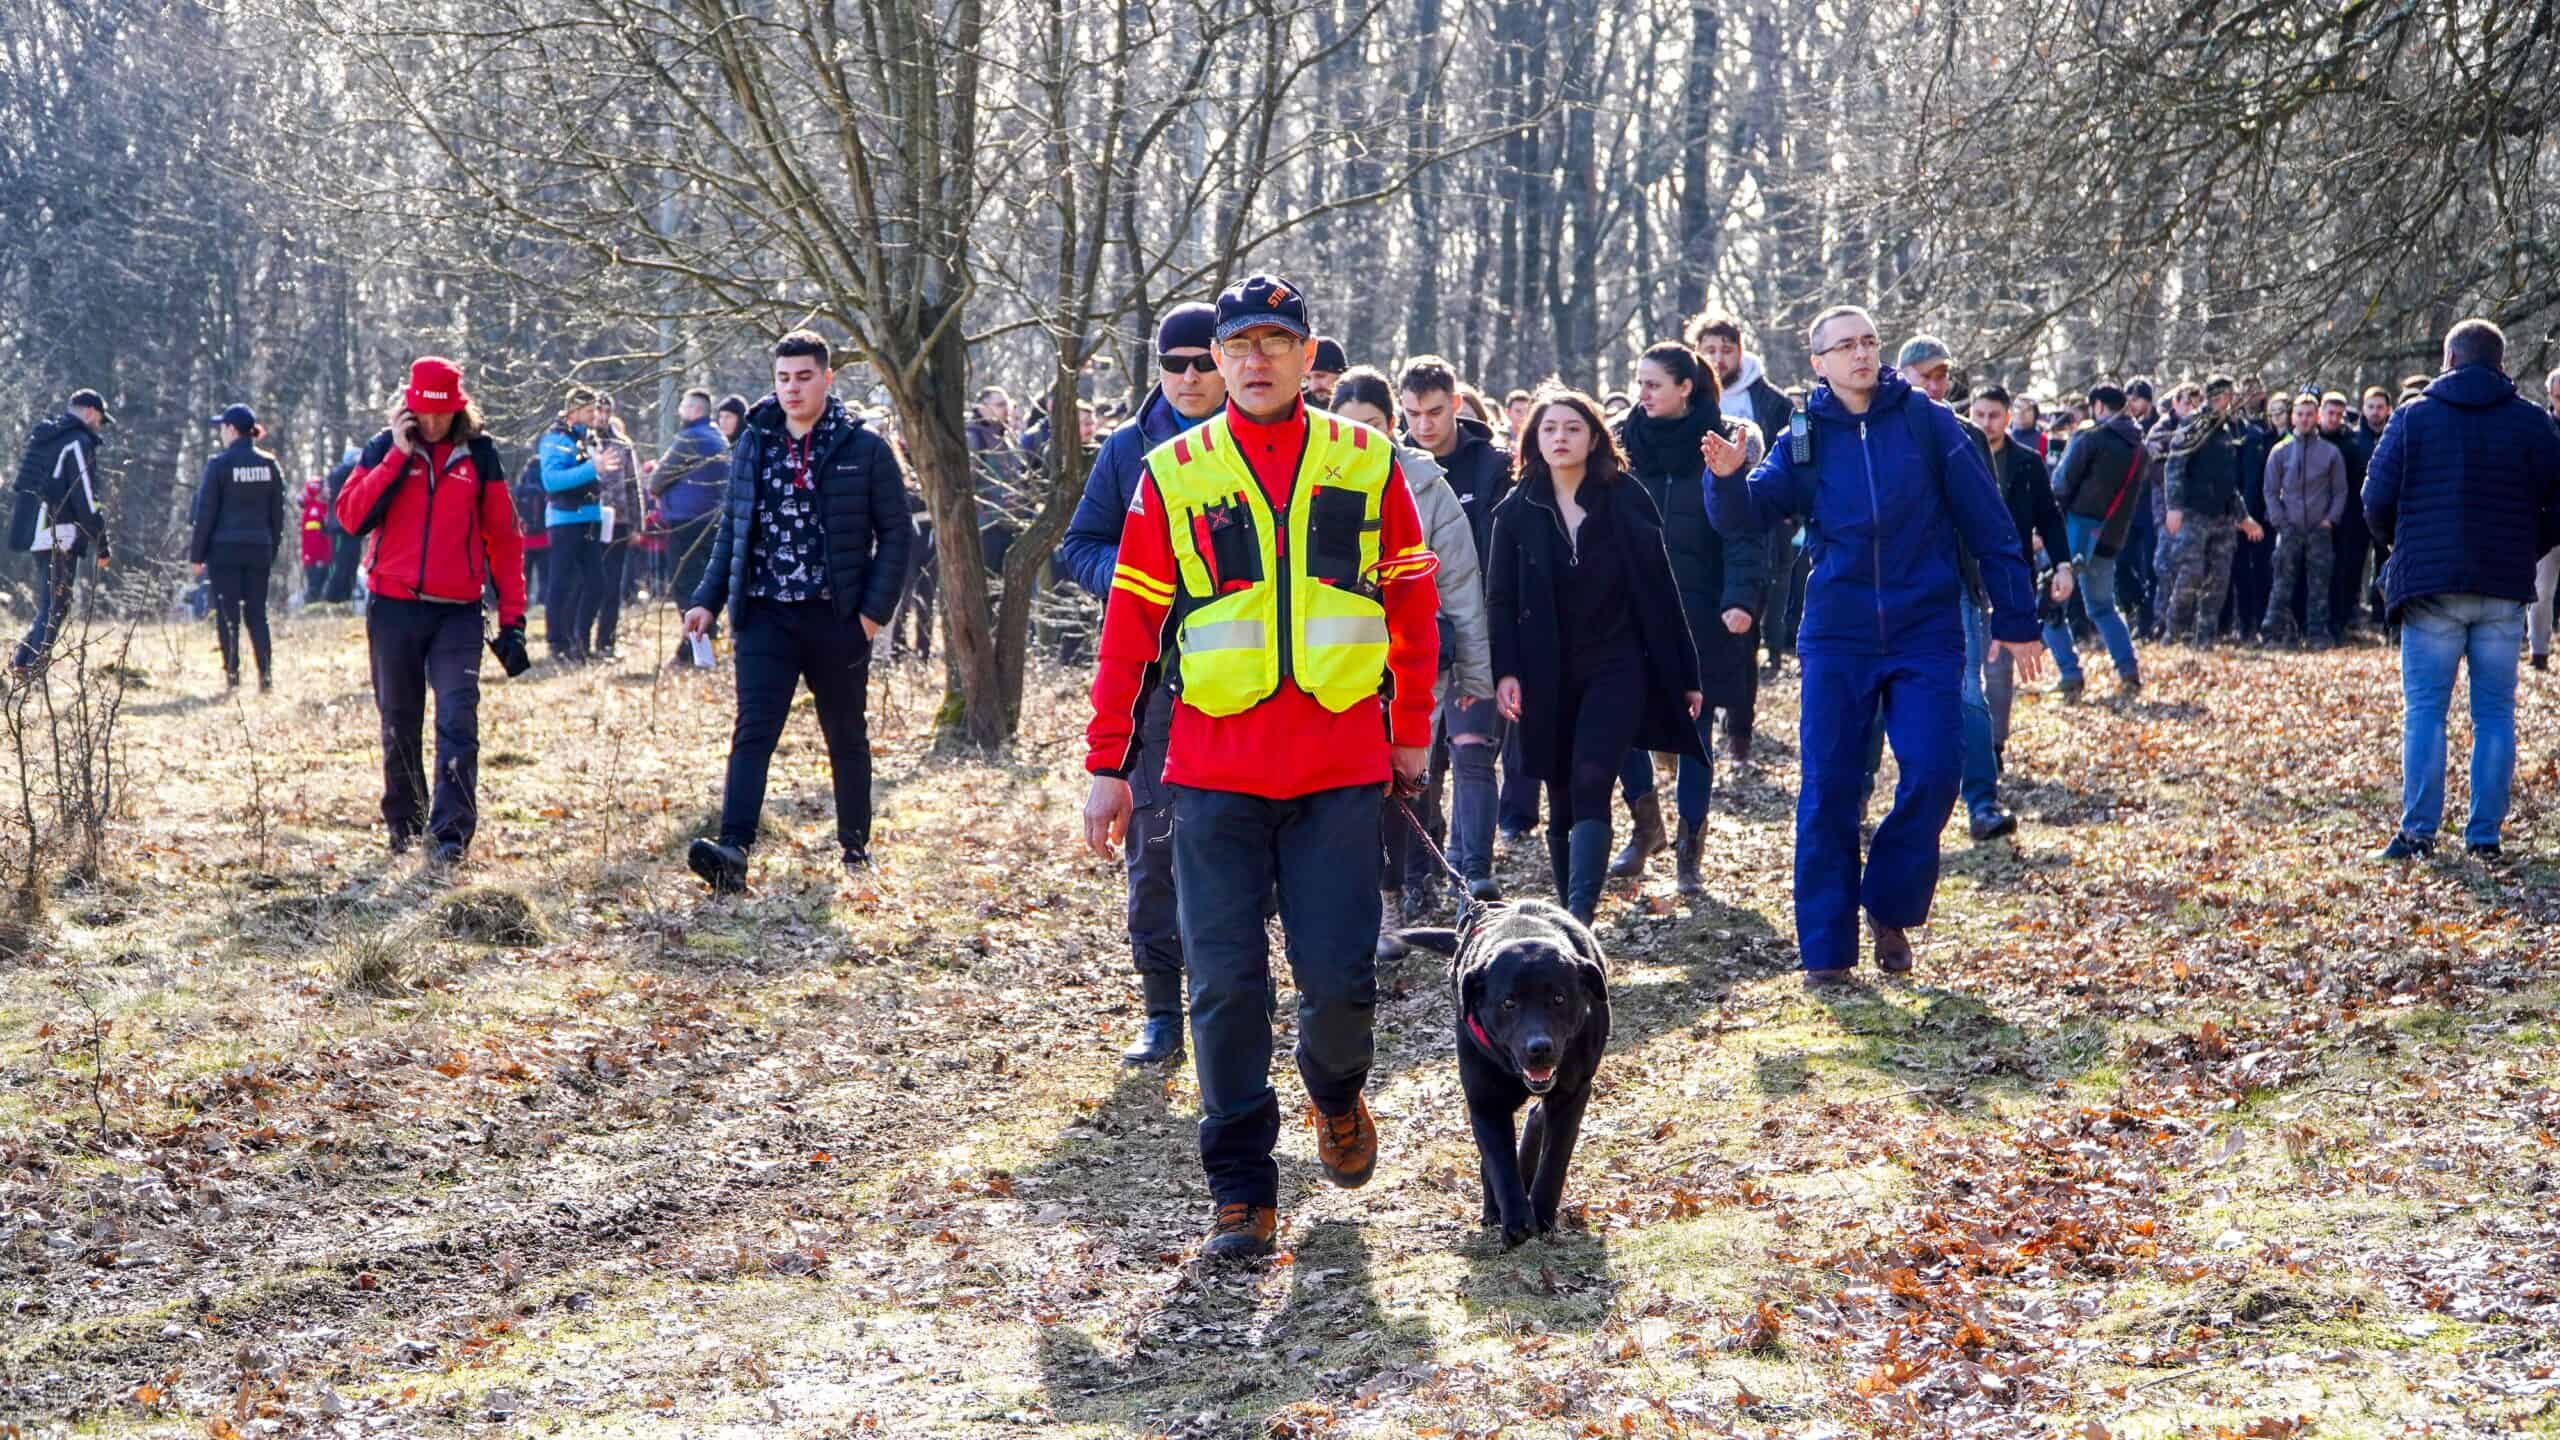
[
  {"x": 693, "y": 475},
  {"x": 862, "y": 504},
  {"x": 1882, "y": 521},
  {"x": 57, "y": 481},
  {"x": 1091, "y": 549},
  {"x": 239, "y": 509},
  {"x": 2464, "y": 487}
]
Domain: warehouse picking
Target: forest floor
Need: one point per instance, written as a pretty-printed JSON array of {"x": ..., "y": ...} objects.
[{"x": 2191, "y": 1122}]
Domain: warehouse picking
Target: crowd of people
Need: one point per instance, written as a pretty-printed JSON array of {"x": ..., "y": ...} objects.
[{"x": 1361, "y": 625}]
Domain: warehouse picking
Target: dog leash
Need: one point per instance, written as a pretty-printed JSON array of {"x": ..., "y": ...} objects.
[{"x": 1465, "y": 897}]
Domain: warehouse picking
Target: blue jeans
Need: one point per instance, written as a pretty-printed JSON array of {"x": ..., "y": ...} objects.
[
  {"x": 1917, "y": 699},
  {"x": 53, "y": 605},
  {"x": 1697, "y": 783},
  {"x": 1981, "y": 784},
  {"x": 2097, "y": 581},
  {"x": 2437, "y": 633},
  {"x": 1475, "y": 735}
]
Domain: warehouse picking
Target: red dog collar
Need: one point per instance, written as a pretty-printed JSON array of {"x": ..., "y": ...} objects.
[{"x": 1475, "y": 1027}]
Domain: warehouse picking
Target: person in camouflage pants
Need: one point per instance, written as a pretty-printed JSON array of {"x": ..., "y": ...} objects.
[{"x": 2206, "y": 513}]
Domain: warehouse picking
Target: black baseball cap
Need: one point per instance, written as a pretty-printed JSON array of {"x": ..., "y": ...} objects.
[
  {"x": 1262, "y": 300},
  {"x": 86, "y": 399},
  {"x": 238, "y": 417},
  {"x": 1329, "y": 356}
]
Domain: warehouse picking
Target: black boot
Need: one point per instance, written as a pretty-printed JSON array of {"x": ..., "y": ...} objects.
[
  {"x": 1559, "y": 862},
  {"x": 1588, "y": 864},
  {"x": 1160, "y": 1038}
]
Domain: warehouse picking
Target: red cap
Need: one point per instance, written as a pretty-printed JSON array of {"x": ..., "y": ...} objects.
[{"x": 435, "y": 387}]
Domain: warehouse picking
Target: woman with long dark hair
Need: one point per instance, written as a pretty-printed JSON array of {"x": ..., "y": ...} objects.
[
  {"x": 1722, "y": 582},
  {"x": 1588, "y": 640}
]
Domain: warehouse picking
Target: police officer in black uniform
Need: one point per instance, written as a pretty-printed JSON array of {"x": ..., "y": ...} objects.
[{"x": 239, "y": 522}]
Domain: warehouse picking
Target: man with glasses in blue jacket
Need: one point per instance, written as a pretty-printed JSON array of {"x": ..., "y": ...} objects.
[{"x": 1887, "y": 484}]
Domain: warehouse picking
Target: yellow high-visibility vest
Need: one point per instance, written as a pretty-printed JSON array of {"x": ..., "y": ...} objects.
[{"x": 1251, "y": 610}]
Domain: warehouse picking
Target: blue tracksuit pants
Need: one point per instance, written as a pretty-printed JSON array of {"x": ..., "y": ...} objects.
[{"x": 1917, "y": 697}]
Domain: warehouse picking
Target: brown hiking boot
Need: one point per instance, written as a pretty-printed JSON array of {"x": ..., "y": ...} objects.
[
  {"x": 1347, "y": 1145},
  {"x": 1241, "y": 1232},
  {"x": 1893, "y": 949}
]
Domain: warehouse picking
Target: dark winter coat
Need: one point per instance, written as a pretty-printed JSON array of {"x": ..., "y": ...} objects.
[
  {"x": 2101, "y": 479},
  {"x": 2026, "y": 487},
  {"x": 332, "y": 485},
  {"x": 693, "y": 476},
  {"x": 863, "y": 507},
  {"x": 1479, "y": 473},
  {"x": 2465, "y": 488},
  {"x": 1091, "y": 549},
  {"x": 1713, "y": 572},
  {"x": 239, "y": 509},
  {"x": 2204, "y": 466},
  {"x": 57, "y": 485},
  {"x": 1529, "y": 553},
  {"x": 1882, "y": 516}
]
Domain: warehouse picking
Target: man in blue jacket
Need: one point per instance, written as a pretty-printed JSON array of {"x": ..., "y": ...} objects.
[
  {"x": 56, "y": 515},
  {"x": 1886, "y": 482},
  {"x": 1189, "y": 391},
  {"x": 2464, "y": 486},
  {"x": 691, "y": 480},
  {"x": 807, "y": 557},
  {"x": 573, "y": 511}
]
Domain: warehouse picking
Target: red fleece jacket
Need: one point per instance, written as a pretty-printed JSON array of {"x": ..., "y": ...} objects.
[
  {"x": 1289, "y": 745},
  {"x": 445, "y": 533}
]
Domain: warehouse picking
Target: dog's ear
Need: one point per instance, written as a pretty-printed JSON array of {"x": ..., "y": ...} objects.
[
  {"x": 1470, "y": 989},
  {"x": 1595, "y": 982}
]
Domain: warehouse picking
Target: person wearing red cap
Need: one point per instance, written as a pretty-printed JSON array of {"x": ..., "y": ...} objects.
[
  {"x": 1274, "y": 571},
  {"x": 431, "y": 496}
]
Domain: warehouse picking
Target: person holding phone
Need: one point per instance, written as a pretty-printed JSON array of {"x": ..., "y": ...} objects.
[
  {"x": 808, "y": 557},
  {"x": 430, "y": 496}
]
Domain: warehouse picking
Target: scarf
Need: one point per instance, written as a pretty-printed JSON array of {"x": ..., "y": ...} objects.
[{"x": 1657, "y": 448}]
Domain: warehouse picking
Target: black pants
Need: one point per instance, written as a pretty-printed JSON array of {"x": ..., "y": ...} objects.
[
  {"x": 569, "y": 597},
  {"x": 778, "y": 646},
  {"x": 689, "y": 547},
  {"x": 344, "y": 553},
  {"x": 315, "y": 582},
  {"x": 1227, "y": 849},
  {"x": 421, "y": 646},
  {"x": 1155, "y": 928},
  {"x": 613, "y": 574},
  {"x": 1600, "y": 710},
  {"x": 238, "y": 588}
]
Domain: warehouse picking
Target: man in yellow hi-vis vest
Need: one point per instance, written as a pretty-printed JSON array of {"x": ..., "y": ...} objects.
[{"x": 1274, "y": 573}]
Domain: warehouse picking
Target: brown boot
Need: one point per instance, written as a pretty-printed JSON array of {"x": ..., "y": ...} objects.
[
  {"x": 1686, "y": 852},
  {"x": 1646, "y": 838},
  {"x": 1347, "y": 1145},
  {"x": 1893, "y": 948},
  {"x": 1241, "y": 1232}
]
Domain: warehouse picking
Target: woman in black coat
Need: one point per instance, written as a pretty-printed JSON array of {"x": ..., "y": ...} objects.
[
  {"x": 1722, "y": 584},
  {"x": 1588, "y": 644}
]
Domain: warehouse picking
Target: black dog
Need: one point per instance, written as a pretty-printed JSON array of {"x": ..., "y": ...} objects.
[{"x": 1533, "y": 1017}]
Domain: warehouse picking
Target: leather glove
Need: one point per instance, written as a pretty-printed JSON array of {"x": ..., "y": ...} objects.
[{"x": 509, "y": 648}]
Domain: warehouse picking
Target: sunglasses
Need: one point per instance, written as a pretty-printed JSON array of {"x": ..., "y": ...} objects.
[{"x": 1176, "y": 364}]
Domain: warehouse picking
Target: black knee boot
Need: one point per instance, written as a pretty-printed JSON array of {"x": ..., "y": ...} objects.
[{"x": 1560, "y": 861}]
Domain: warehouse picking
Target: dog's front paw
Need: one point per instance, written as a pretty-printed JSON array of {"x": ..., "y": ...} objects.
[
  {"x": 1515, "y": 1236},
  {"x": 1491, "y": 1217}
]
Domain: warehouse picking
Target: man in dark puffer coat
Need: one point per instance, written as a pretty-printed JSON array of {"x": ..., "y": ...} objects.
[
  {"x": 809, "y": 557},
  {"x": 2464, "y": 486}
]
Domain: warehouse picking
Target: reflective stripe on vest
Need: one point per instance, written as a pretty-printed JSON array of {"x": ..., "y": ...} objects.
[{"x": 1254, "y": 609}]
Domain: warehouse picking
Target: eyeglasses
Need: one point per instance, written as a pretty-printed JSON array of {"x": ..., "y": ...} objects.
[
  {"x": 1856, "y": 344},
  {"x": 1272, "y": 346},
  {"x": 1177, "y": 364}
]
